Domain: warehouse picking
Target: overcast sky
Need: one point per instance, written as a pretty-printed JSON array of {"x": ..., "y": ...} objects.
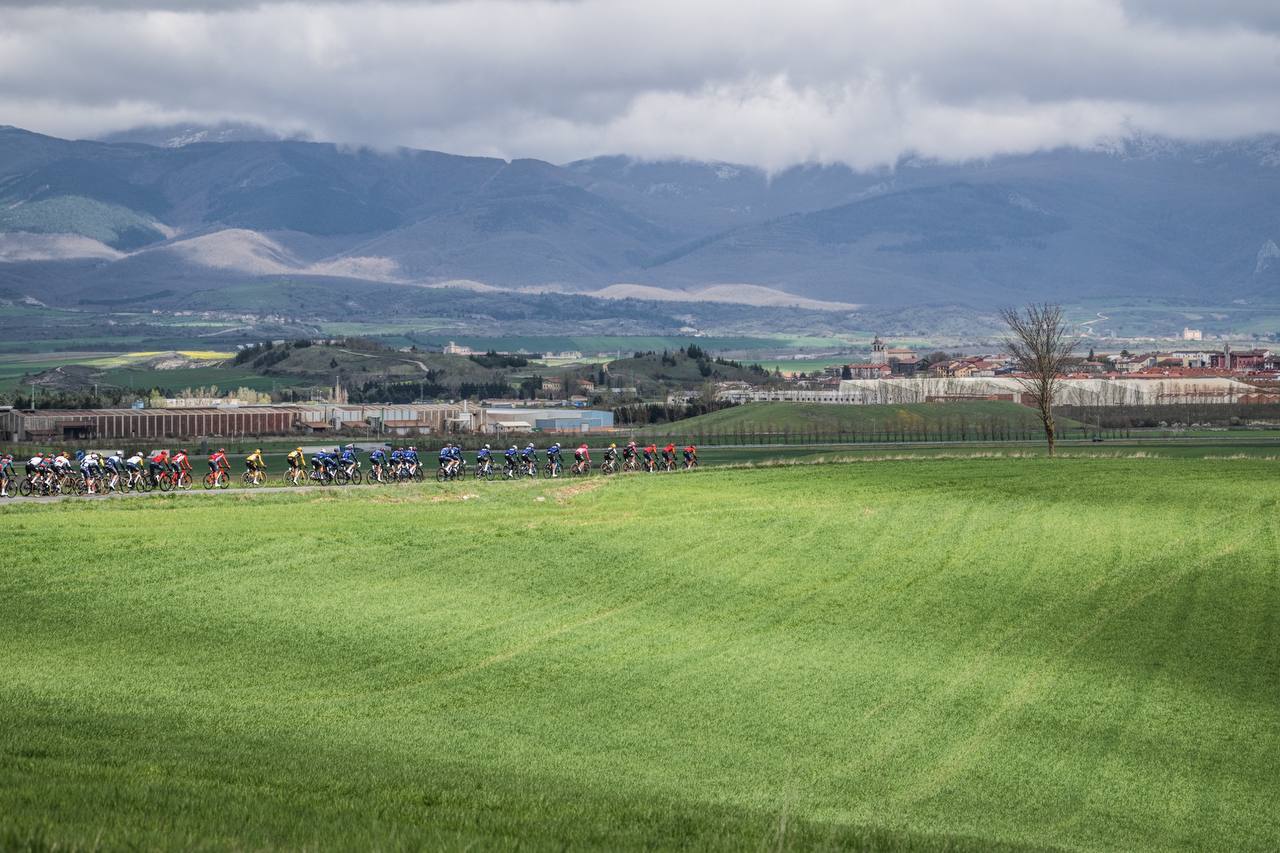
[{"x": 768, "y": 83}]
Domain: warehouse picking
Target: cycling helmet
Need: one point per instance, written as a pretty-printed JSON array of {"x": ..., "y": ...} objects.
[
  {"x": 486, "y": 447},
  {"x": 613, "y": 445},
  {"x": 259, "y": 450}
]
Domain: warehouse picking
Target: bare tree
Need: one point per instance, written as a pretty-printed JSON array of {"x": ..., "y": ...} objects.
[{"x": 1040, "y": 344}]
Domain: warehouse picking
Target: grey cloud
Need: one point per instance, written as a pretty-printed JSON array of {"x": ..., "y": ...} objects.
[
  {"x": 818, "y": 80},
  {"x": 1261, "y": 14}
]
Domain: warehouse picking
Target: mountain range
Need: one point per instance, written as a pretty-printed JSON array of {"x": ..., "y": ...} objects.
[{"x": 186, "y": 210}]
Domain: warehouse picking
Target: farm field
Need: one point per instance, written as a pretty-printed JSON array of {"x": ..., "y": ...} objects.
[{"x": 991, "y": 653}]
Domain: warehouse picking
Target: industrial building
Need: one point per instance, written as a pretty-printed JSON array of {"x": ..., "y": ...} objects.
[
  {"x": 233, "y": 421},
  {"x": 546, "y": 420},
  {"x": 82, "y": 424}
]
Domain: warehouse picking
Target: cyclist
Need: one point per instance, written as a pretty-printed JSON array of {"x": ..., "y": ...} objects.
[
  {"x": 319, "y": 468},
  {"x": 456, "y": 461},
  {"x": 296, "y": 458},
  {"x": 158, "y": 464},
  {"x": 133, "y": 465},
  {"x": 36, "y": 466},
  {"x": 445, "y": 459},
  {"x": 650, "y": 456},
  {"x": 115, "y": 466},
  {"x": 331, "y": 463},
  {"x": 397, "y": 463},
  {"x": 511, "y": 454},
  {"x": 61, "y": 466},
  {"x": 529, "y": 459},
  {"x": 350, "y": 459},
  {"x": 669, "y": 455},
  {"x": 254, "y": 464},
  {"x": 611, "y": 456},
  {"x": 218, "y": 463},
  {"x": 690, "y": 456},
  {"x": 89, "y": 471},
  {"x": 6, "y": 473},
  {"x": 181, "y": 467},
  {"x": 411, "y": 461},
  {"x": 629, "y": 454},
  {"x": 378, "y": 462},
  {"x": 554, "y": 459},
  {"x": 582, "y": 459},
  {"x": 484, "y": 460}
]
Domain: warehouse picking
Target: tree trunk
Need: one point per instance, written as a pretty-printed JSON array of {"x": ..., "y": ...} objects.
[{"x": 1050, "y": 432}]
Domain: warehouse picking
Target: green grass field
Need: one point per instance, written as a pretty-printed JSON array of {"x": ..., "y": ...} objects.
[{"x": 936, "y": 654}]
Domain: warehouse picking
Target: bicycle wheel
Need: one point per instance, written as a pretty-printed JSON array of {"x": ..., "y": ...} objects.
[
  {"x": 356, "y": 477},
  {"x": 24, "y": 488},
  {"x": 440, "y": 475},
  {"x": 418, "y": 476},
  {"x": 166, "y": 484},
  {"x": 224, "y": 480},
  {"x": 341, "y": 478},
  {"x": 147, "y": 483}
]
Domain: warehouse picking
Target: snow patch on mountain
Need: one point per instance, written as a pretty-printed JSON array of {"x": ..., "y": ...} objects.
[{"x": 1267, "y": 256}]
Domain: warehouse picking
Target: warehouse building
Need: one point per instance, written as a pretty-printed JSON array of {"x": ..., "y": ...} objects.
[
  {"x": 84, "y": 424},
  {"x": 546, "y": 420}
]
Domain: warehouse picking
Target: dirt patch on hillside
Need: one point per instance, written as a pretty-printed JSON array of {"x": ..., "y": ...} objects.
[{"x": 568, "y": 493}]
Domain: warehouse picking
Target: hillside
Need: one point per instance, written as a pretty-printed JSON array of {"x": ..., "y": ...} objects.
[
  {"x": 653, "y": 374},
  {"x": 915, "y": 419},
  {"x": 211, "y": 222},
  {"x": 931, "y": 655}
]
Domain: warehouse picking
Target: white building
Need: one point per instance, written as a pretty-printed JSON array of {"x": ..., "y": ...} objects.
[
  {"x": 1192, "y": 335},
  {"x": 457, "y": 349}
]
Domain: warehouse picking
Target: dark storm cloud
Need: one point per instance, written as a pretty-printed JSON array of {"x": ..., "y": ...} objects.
[{"x": 748, "y": 80}]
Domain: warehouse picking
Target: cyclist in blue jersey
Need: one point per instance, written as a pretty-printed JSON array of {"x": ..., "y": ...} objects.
[
  {"x": 529, "y": 459},
  {"x": 512, "y": 455},
  {"x": 555, "y": 460},
  {"x": 484, "y": 460}
]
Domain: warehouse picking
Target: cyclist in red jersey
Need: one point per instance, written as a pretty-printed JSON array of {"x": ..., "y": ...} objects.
[
  {"x": 690, "y": 456},
  {"x": 158, "y": 464},
  {"x": 218, "y": 461},
  {"x": 180, "y": 464},
  {"x": 582, "y": 457}
]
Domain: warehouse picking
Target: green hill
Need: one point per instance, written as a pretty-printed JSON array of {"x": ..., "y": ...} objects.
[
  {"x": 915, "y": 419},
  {"x": 937, "y": 655},
  {"x": 654, "y": 374}
]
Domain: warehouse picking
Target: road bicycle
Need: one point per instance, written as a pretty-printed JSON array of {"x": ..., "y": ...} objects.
[
  {"x": 553, "y": 468},
  {"x": 609, "y": 466},
  {"x": 484, "y": 470},
  {"x": 254, "y": 477},
  {"x": 217, "y": 479}
]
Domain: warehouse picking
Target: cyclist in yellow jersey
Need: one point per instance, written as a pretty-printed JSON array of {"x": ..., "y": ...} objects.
[
  {"x": 296, "y": 460},
  {"x": 253, "y": 462}
]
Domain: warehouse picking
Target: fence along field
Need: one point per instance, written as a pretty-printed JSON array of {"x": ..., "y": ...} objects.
[{"x": 931, "y": 654}]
